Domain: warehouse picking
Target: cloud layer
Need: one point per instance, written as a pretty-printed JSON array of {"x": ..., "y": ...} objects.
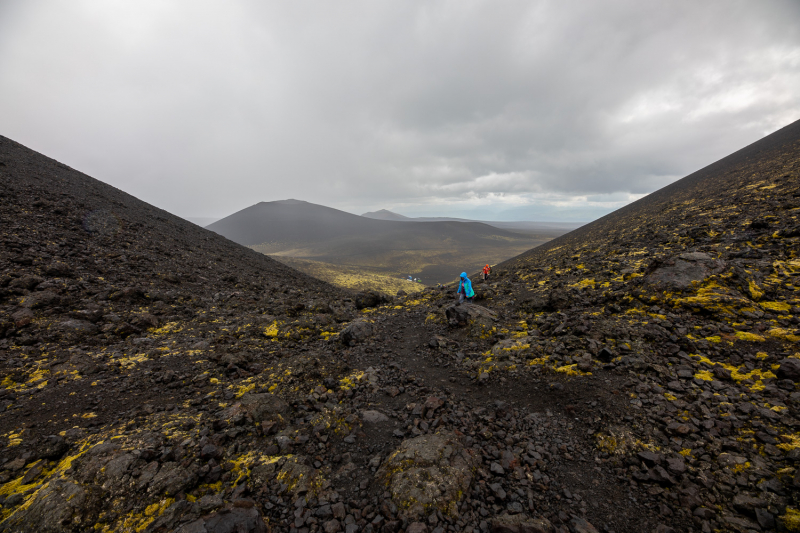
[{"x": 518, "y": 110}]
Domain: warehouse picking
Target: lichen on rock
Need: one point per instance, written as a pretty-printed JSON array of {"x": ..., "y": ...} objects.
[{"x": 428, "y": 472}]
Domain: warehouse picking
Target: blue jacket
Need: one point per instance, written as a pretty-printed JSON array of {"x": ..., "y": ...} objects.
[{"x": 466, "y": 285}]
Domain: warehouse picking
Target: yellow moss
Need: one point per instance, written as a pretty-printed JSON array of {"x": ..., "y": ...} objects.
[
  {"x": 792, "y": 442},
  {"x": 705, "y": 375},
  {"x": 584, "y": 283},
  {"x": 782, "y": 307},
  {"x": 169, "y": 327},
  {"x": 761, "y": 355},
  {"x": 213, "y": 381},
  {"x": 571, "y": 370},
  {"x": 755, "y": 291},
  {"x": 791, "y": 520},
  {"x": 271, "y": 331},
  {"x": 348, "y": 382},
  {"x": 784, "y": 334},
  {"x": 244, "y": 389},
  {"x": 670, "y": 397},
  {"x": 714, "y": 338},
  {"x": 686, "y": 452},
  {"x": 749, "y": 337},
  {"x": 740, "y": 468},
  {"x": 538, "y": 361},
  {"x": 130, "y": 362}
]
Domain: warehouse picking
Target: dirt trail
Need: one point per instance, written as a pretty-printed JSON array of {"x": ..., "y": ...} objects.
[{"x": 550, "y": 413}]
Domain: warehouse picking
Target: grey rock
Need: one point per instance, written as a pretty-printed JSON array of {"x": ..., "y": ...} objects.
[
  {"x": 78, "y": 326},
  {"x": 579, "y": 525},
  {"x": 235, "y": 520},
  {"x": 210, "y": 502},
  {"x": 357, "y": 331},
  {"x": 60, "y": 506},
  {"x": 789, "y": 369},
  {"x": 747, "y": 504},
  {"x": 172, "y": 478},
  {"x": 373, "y": 417},
  {"x": 676, "y": 465},
  {"x": 495, "y": 468},
  {"x": 680, "y": 272},
  {"x": 43, "y": 299},
  {"x": 497, "y": 490},
  {"x": 265, "y": 406},
  {"x": 478, "y": 320},
  {"x": 429, "y": 472},
  {"x": 519, "y": 523},
  {"x": 659, "y": 475}
]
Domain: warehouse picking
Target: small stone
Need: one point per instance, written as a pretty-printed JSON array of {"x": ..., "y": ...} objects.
[
  {"x": 495, "y": 468},
  {"x": 417, "y": 527},
  {"x": 373, "y": 417},
  {"x": 332, "y": 526}
]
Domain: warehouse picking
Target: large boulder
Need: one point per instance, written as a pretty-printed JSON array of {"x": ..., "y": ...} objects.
[
  {"x": 427, "y": 473},
  {"x": 357, "y": 331},
  {"x": 265, "y": 407},
  {"x": 59, "y": 506},
  {"x": 79, "y": 327},
  {"x": 678, "y": 273},
  {"x": 789, "y": 369},
  {"x": 479, "y": 321},
  {"x": 366, "y": 299},
  {"x": 41, "y": 300},
  {"x": 231, "y": 519}
]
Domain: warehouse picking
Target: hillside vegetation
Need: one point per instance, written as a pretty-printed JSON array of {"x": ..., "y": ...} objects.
[{"x": 350, "y": 277}]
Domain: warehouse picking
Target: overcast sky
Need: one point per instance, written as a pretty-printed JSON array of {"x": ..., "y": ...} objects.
[{"x": 499, "y": 110}]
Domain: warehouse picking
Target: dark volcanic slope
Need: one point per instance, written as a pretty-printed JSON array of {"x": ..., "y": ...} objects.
[
  {"x": 692, "y": 292},
  {"x": 435, "y": 251},
  {"x": 295, "y": 221},
  {"x": 638, "y": 375}
]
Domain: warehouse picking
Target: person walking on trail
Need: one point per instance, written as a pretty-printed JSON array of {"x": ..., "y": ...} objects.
[
  {"x": 486, "y": 271},
  {"x": 465, "y": 289}
]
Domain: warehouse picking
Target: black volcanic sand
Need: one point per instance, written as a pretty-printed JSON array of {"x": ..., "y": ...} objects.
[{"x": 637, "y": 375}]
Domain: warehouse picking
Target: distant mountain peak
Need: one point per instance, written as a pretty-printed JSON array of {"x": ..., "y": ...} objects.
[
  {"x": 385, "y": 214},
  {"x": 290, "y": 201}
]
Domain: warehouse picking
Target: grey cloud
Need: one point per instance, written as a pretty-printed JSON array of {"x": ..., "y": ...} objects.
[{"x": 468, "y": 108}]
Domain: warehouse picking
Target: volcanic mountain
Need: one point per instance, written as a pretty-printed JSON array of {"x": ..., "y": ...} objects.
[
  {"x": 638, "y": 374},
  {"x": 520, "y": 226},
  {"x": 435, "y": 251}
]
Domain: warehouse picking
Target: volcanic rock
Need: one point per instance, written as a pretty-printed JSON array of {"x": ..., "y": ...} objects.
[{"x": 427, "y": 473}]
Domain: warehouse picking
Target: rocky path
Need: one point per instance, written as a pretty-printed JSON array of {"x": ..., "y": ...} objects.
[{"x": 534, "y": 437}]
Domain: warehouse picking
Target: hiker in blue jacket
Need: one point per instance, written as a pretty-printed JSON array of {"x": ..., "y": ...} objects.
[{"x": 465, "y": 289}]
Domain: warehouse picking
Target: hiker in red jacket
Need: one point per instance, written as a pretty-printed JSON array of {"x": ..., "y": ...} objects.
[{"x": 486, "y": 271}]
